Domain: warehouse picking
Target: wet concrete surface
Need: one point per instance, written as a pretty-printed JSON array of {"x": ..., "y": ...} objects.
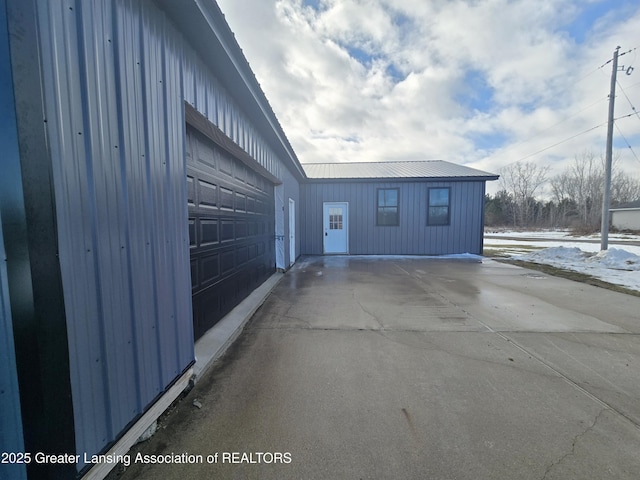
[{"x": 382, "y": 367}]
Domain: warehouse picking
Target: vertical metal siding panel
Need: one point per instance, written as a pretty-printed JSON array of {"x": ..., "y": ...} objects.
[
  {"x": 188, "y": 78},
  {"x": 418, "y": 220},
  {"x": 307, "y": 191},
  {"x": 458, "y": 190},
  {"x": 443, "y": 245},
  {"x": 302, "y": 228},
  {"x": 471, "y": 214},
  {"x": 110, "y": 204},
  {"x": 11, "y": 432},
  {"x": 322, "y": 192},
  {"x": 406, "y": 190},
  {"x": 155, "y": 174},
  {"x": 476, "y": 214},
  {"x": 452, "y": 244},
  {"x": 391, "y": 245},
  {"x": 377, "y": 232},
  {"x": 362, "y": 207},
  {"x": 134, "y": 158},
  {"x": 291, "y": 190},
  {"x": 211, "y": 105},
  {"x": 467, "y": 208},
  {"x": 463, "y": 223},
  {"x": 373, "y": 228},
  {"x": 178, "y": 184},
  {"x": 159, "y": 164},
  {"x": 74, "y": 212},
  {"x": 470, "y": 210},
  {"x": 11, "y": 435},
  {"x": 219, "y": 113},
  {"x": 480, "y": 229},
  {"x": 465, "y": 226},
  {"x": 355, "y": 219},
  {"x": 412, "y": 219},
  {"x": 310, "y": 213},
  {"x": 395, "y": 233},
  {"x": 317, "y": 223},
  {"x": 201, "y": 89},
  {"x": 370, "y": 202}
]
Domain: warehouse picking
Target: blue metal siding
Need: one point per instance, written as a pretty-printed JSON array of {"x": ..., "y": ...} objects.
[
  {"x": 11, "y": 435},
  {"x": 209, "y": 97},
  {"x": 10, "y": 420},
  {"x": 115, "y": 121},
  {"x": 412, "y": 236},
  {"x": 291, "y": 190}
]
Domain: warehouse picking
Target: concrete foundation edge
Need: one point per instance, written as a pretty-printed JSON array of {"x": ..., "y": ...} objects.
[
  {"x": 101, "y": 470},
  {"x": 216, "y": 340}
]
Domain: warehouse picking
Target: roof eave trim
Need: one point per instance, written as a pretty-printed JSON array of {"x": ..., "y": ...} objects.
[{"x": 403, "y": 179}]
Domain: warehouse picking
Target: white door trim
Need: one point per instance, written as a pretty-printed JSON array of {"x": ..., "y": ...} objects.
[
  {"x": 335, "y": 241},
  {"x": 292, "y": 231}
]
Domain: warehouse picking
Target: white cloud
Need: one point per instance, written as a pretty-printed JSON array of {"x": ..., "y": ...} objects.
[{"x": 479, "y": 82}]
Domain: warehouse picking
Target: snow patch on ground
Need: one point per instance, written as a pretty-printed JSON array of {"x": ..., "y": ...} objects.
[{"x": 617, "y": 265}]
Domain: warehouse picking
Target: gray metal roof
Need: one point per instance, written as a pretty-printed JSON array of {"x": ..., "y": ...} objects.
[
  {"x": 412, "y": 169},
  {"x": 629, "y": 205}
]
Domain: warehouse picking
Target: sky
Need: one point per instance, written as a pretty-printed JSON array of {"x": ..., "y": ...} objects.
[{"x": 481, "y": 83}]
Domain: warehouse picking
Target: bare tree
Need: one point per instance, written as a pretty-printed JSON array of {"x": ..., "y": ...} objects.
[
  {"x": 522, "y": 180},
  {"x": 582, "y": 185},
  {"x": 624, "y": 188},
  {"x": 586, "y": 187}
]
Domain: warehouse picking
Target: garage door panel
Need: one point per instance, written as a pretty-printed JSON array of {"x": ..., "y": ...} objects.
[
  {"x": 191, "y": 191},
  {"x": 207, "y": 194},
  {"x": 209, "y": 235},
  {"x": 231, "y": 229},
  {"x": 210, "y": 268}
]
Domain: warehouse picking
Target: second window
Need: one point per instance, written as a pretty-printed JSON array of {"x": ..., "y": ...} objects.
[{"x": 387, "y": 207}]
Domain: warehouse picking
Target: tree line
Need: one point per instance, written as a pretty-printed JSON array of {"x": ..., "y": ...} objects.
[{"x": 571, "y": 199}]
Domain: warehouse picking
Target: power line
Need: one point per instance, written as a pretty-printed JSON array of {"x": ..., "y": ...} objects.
[
  {"x": 573, "y": 115},
  {"x": 560, "y": 142},
  {"x": 554, "y": 125},
  {"x": 627, "y": 142},
  {"x": 628, "y": 100}
]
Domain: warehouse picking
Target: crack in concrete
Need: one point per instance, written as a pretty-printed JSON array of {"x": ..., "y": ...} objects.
[
  {"x": 382, "y": 327},
  {"x": 573, "y": 444}
]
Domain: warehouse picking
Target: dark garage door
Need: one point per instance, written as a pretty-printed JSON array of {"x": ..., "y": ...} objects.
[{"x": 231, "y": 230}]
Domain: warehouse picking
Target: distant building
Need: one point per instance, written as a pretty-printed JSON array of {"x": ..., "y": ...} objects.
[
  {"x": 146, "y": 188},
  {"x": 393, "y": 208},
  {"x": 626, "y": 216}
]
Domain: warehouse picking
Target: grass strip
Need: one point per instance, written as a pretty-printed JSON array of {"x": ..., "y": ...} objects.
[{"x": 569, "y": 274}]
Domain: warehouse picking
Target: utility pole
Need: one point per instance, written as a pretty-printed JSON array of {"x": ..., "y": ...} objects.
[{"x": 606, "y": 198}]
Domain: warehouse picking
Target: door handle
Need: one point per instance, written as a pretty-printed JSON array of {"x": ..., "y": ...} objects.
[{"x": 326, "y": 234}]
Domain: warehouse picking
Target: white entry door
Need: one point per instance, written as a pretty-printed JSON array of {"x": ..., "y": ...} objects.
[
  {"x": 336, "y": 227},
  {"x": 292, "y": 232}
]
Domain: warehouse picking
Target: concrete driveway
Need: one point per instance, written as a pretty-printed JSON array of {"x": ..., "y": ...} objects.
[{"x": 389, "y": 368}]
